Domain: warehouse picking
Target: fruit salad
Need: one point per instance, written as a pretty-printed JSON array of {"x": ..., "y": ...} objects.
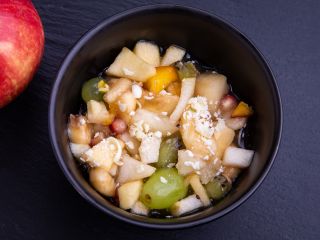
[{"x": 159, "y": 133}]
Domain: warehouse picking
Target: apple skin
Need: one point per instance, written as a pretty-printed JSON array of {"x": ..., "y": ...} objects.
[{"x": 21, "y": 47}]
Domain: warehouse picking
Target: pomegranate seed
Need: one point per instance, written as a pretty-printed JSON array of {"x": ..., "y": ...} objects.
[
  {"x": 118, "y": 126},
  {"x": 228, "y": 103}
]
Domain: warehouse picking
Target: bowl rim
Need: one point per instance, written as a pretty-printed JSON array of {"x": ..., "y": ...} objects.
[{"x": 94, "y": 30}]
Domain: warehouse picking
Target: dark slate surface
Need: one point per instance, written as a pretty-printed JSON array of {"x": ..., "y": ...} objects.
[{"x": 37, "y": 202}]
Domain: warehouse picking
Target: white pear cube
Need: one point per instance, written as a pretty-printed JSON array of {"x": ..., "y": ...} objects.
[
  {"x": 140, "y": 209},
  {"x": 149, "y": 149},
  {"x": 149, "y": 52},
  {"x": 237, "y": 157},
  {"x": 129, "y": 65},
  {"x": 133, "y": 169},
  {"x": 98, "y": 113},
  {"x": 104, "y": 154},
  {"x": 213, "y": 86},
  {"x": 78, "y": 149},
  {"x": 186, "y": 205},
  {"x": 173, "y": 54}
]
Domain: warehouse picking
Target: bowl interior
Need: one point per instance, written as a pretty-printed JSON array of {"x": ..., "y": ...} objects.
[{"x": 206, "y": 38}]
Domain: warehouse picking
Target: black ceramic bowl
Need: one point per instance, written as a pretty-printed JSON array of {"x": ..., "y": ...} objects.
[{"x": 213, "y": 42}]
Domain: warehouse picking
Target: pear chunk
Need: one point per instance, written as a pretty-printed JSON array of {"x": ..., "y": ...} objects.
[
  {"x": 129, "y": 65},
  {"x": 102, "y": 181},
  {"x": 78, "y": 149},
  {"x": 237, "y": 157},
  {"x": 212, "y": 86},
  {"x": 186, "y": 205},
  {"x": 98, "y": 113},
  {"x": 140, "y": 209},
  {"x": 133, "y": 169},
  {"x": 224, "y": 138},
  {"x": 129, "y": 193},
  {"x": 173, "y": 54},
  {"x": 148, "y": 52}
]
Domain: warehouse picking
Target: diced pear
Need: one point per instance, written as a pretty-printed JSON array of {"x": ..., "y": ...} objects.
[
  {"x": 102, "y": 181},
  {"x": 140, "y": 209},
  {"x": 194, "y": 141},
  {"x": 131, "y": 143},
  {"x": 116, "y": 89},
  {"x": 223, "y": 139},
  {"x": 160, "y": 104},
  {"x": 148, "y": 51},
  {"x": 129, "y": 193},
  {"x": 199, "y": 189},
  {"x": 155, "y": 121},
  {"x": 237, "y": 157},
  {"x": 213, "y": 86},
  {"x": 78, "y": 149},
  {"x": 149, "y": 149},
  {"x": 186, "y": 205},
  {"x": 104, "y": 154},
  {"x": 98, "y": 113},
  {"x": 78, "y": 130},
  {"x": 133, "y": 169},
  {"x": 173, "y": 54},
  {"x": 188, "y": 163},
  {"x": 129, "y": 65}
]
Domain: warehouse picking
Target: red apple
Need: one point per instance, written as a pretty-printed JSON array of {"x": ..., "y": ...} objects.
[{"x": 21, "y": 47}]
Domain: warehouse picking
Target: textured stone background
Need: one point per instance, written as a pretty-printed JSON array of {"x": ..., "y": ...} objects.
[{"x": 36, "y": 200}]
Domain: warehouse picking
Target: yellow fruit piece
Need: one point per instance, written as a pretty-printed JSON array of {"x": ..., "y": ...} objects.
[
  {"x": 129, "y": 193},
  {"x": 114, "y": 108},
  {"x": 103, "y": 86},
  {"x": 164, "y": 76},
  {"x": 242, "y": 110},
  {"x": 102, "y": 181},
  {"x": 163, "y": 105},
  {"x": 223, "y": 138},
  {"x": 174, "y": 88},
  {"x": 198, "y": 189}
]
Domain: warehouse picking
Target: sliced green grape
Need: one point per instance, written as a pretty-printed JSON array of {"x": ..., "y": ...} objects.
[
  {"x": 218, "y": 187},
  {"x": 90, "y": 90},
  {"x": 186, "y": 70},
  {"x": 168, "y": 152},
  {"x": 163, "y": 188}
]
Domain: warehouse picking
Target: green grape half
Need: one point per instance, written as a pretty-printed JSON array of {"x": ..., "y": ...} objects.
[
  {"x": 90, "y": 90},
  {"x": 168, "y": 152},
  {"x": 218, "y": 187},
  {"x": 163, "y": 188}
]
